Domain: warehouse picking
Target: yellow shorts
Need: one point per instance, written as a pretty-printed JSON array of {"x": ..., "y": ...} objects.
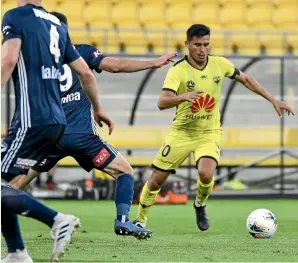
[{"x": 178, "y": 146}]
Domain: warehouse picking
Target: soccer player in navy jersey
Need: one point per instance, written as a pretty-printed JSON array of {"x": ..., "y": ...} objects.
[
  {"x": 35, "y": 47},
  {"x": 81, "y": 141}
]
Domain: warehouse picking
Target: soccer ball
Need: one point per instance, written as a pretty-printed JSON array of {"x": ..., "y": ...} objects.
[{"x": 261, "y": 223}]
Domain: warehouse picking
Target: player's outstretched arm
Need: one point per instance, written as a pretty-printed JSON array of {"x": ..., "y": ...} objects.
[
  {"x": 126, "y": 65},
  {"x": 257, "y": 88},
  {"x": 168, "y": 99},
  {"x": 9, "y": 57}
]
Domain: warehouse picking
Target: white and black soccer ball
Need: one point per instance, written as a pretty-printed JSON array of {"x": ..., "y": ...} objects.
[{"x": 261, "y": 223}]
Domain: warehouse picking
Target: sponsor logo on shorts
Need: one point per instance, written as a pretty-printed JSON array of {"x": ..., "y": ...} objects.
[
  {"x": 101, "y": 158},
  {"x": 206, "y": 102},
  {"x": 25, "y": 163}
]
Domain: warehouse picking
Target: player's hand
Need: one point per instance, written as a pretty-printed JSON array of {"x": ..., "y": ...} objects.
[
  {"x": 101, "y": 117},
  {"x": 164, "y": 60},
  {"x": 280, "y": 106},
  {"x": 192, "y": 96}
]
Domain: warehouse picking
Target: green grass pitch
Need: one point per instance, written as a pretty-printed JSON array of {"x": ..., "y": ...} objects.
[{"x": 175, "y": 234}]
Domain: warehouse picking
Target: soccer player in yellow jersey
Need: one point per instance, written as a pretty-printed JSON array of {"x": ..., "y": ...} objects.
[{"x": 193, "y": 85}]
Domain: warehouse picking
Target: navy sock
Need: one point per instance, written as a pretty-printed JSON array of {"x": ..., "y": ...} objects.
[
  {"x": 11, "y": 232},
  {"x": 19, "y": 202},
  {"x": 123, "y": 196}
]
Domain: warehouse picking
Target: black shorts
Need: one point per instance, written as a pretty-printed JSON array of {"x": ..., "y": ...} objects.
[
  {"x": 25, "y": 148},
  {"x": 89, "y": 150}
]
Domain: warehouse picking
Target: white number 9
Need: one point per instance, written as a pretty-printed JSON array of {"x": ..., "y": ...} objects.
[{"x": 66, "y": 79}]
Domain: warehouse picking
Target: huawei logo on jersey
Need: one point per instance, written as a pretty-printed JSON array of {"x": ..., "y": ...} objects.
[{"x": 204, "y": 102}]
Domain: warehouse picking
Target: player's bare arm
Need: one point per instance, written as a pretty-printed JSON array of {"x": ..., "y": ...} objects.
[
  {"x": 253, "y": 85},
  {"x": 89, "y": 86},
  {"x": 168, "y": 99},
  {"x": 126, "y": 65},
  {"x": 9, "y": 57}
]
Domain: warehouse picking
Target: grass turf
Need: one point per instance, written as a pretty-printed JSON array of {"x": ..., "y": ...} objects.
[{"x": 175, "y": 234}]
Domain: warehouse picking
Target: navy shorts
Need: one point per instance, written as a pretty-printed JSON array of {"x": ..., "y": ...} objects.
[
  {"x": 89, "y": 150},
  {"x": 25, "y": 148}
]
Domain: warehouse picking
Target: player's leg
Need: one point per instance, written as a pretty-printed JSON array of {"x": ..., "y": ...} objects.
[
  {"x": 174, "y": 151},
  {"x": 50, "y": 183},
  {"x": 207, "y": 156},
  {"x": 149, "y": 194},
  {"x": 27, "y": 148},
  {"x": 91, "y": 152},
  {"x": 11, "y": 232}
]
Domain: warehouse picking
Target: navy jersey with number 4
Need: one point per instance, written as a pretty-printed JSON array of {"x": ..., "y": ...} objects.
[
  {"x": 45, "y": 48},
  {"x": 75, "y": 103}
]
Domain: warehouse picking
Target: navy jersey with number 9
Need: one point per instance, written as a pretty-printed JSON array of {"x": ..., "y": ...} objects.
[{"x": 45, "y": 48}]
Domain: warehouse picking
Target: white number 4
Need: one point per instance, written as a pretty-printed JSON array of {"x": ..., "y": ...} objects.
[{"x": 54, "y": 45}]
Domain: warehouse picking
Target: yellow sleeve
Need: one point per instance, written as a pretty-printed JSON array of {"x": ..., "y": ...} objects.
[
  {"x": 227, "y": 67},
  {"x": 173, "y": 79}
]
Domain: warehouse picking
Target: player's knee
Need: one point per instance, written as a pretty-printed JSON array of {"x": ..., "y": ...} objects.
[{"x": 205, "y": 175}]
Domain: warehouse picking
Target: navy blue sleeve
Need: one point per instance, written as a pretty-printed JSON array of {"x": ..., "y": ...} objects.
[
  {"x": 71, "y": 54},
  {"x": 91, "y": 55},
  {"x": 11, "y": 26}
]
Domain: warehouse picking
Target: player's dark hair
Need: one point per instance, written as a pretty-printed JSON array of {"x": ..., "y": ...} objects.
[
  {"x": 197, "y": 30},
  {"x": 61, "y": 17}
]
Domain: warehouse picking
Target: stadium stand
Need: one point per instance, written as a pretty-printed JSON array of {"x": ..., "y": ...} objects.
[{"x": 248, "y": 27}]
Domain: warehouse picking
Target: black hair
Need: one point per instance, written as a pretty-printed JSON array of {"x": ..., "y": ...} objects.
[
  {"x": 197, "y": 30},
  {"x": 61, "y": 17}
]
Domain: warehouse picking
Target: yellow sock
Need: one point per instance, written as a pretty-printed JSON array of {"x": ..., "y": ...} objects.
[
  {"x": 147, "y": 199},
  {"x": 204, "y": 191}
]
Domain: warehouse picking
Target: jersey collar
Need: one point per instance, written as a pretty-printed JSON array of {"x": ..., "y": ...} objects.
[{"x": 186, "y": 58}]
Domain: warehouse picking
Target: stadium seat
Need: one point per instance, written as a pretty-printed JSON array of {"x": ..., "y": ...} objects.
[
  {"x": 98, "y": 13},
  {"x": 157, "y": 41},
  {"x": 74, "y": 11},
  {"x": 286, "y": 17},
  {"x": 178, "y": 15},
  {"x": 232, "y": 16},
  {"x": 133, "y": 42},
  {"x": 274, "y": 44},
  {"x": 244, "y": 44},
  {"x": 80, "y": 36},
  {"x": 177, "y": 40},
  {"x": 50, "y": 5},
  {"x": 124, "y": 14},
  {"x": 292, "y": 43},
  {"x": 7, "y": 5},
  {"x": 206, "y": 13},
  {"x": 287, "y": 3},
  {"x": 259, "y": 16},
  {"x": 152, "y": 15},
  {"x": 217, "y": 44}
]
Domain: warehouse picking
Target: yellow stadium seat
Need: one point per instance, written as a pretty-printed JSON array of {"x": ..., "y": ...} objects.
[
  {"x": 217, "y": 44},
  {"x": 292, "y": 43},
  {"x": 260, "y": 16},
  {"x": 74, "y": 11},
  {"x": 176, "y": 42},
  {"x": 286, "y": 3},
  {"x": 49, "y": 5},
  {"x": 206, "y": 13},
  {"x": 80, "y": 36},
  {"x": 274, "y": 44},
  {"x": 124, "y": 14},
  {"x": 178, "y": 15},
  {"x": 259, "y": 2},
  {"x": 286, "y": 17},
  {"x": 99, "y": 38},
  {"x": 133, "y": 41},
  {"x": 246, "y": 44},
  {"x": 98, "y": 13},
  {"x": 7, "y": 5},
  {"x": 152, "y": 15},
  {"x": 158, "y": 41},
  {"x": 232, "y": 16}
]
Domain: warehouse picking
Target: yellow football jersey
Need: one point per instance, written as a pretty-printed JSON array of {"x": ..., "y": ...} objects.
[{"x": 203, "y": 115}]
